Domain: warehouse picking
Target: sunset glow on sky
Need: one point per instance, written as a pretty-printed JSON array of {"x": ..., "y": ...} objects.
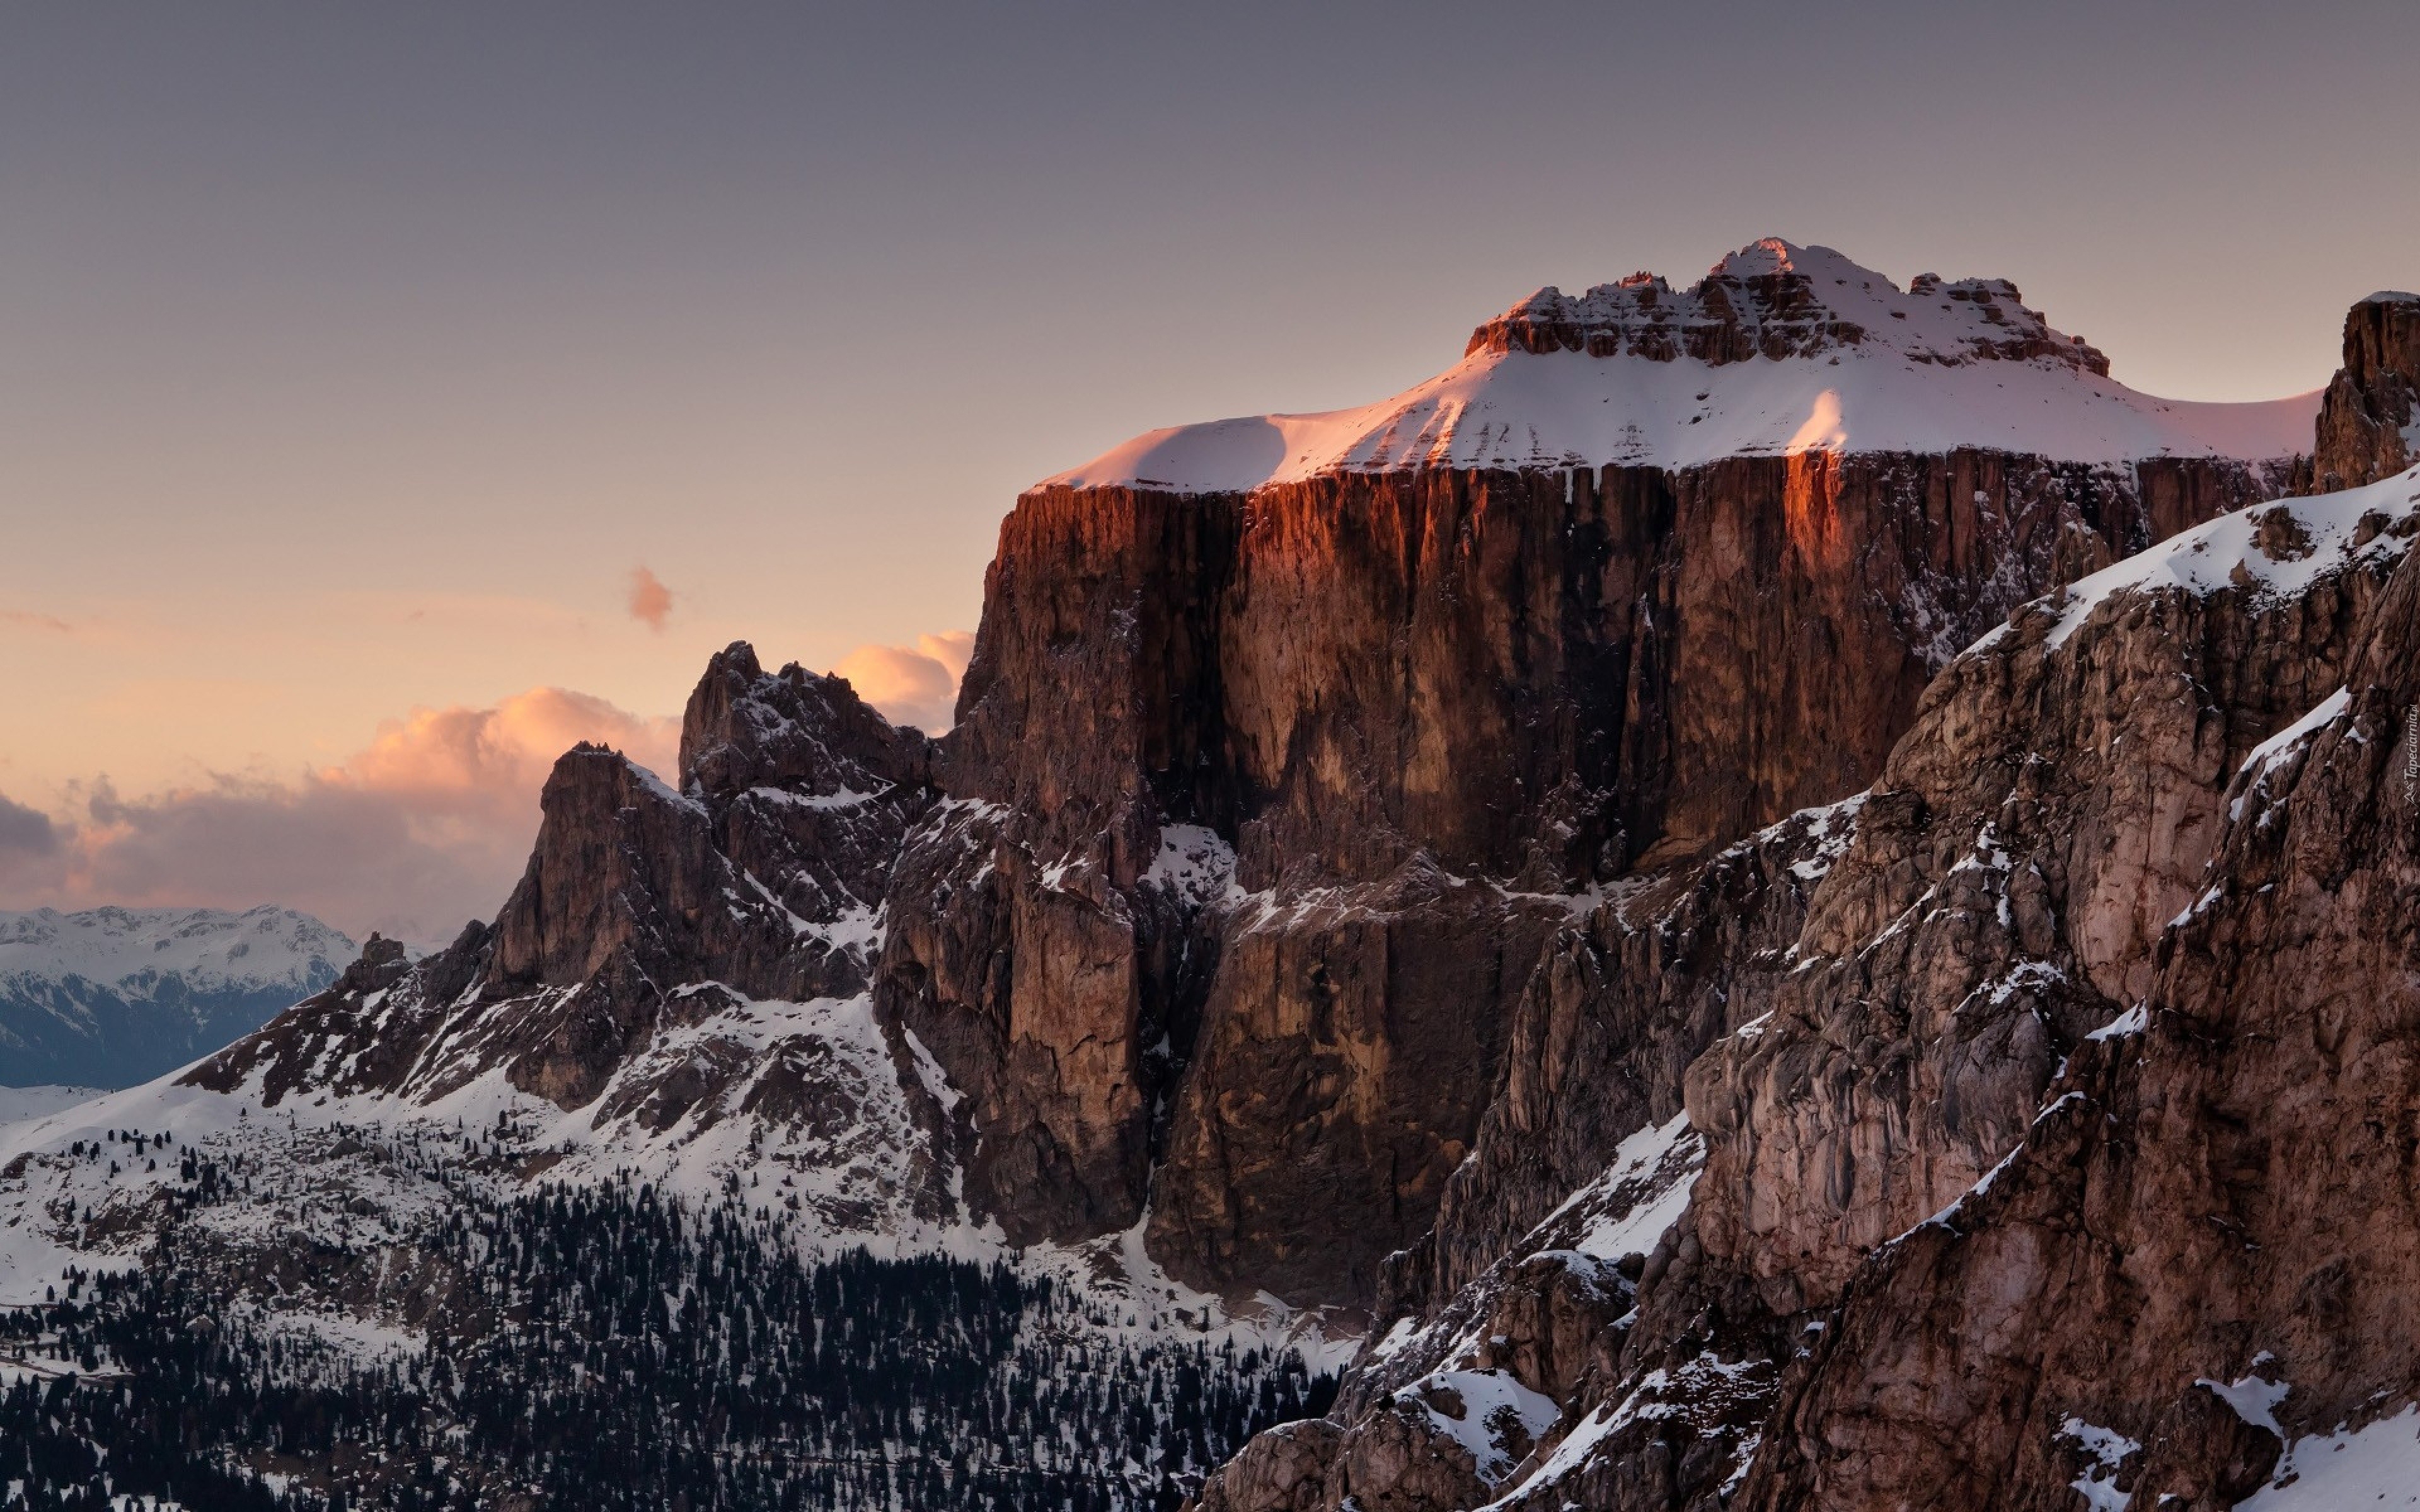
[{"x": 390, "y": 397}]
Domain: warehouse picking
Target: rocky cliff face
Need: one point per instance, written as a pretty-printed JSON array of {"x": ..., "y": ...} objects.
[
  {"x": 620, "y": 979},
  {"x": 1405, "y": 702},
  {"x": 2044, "y": 841},
  {"x": 1873, "y": 1047},
  {"x": 2370, "y": 421},
  {"x": 2201, "y": 1249},
  {"x": 1515, "y": 1303},
  {"x": 2052, "y": 810}
]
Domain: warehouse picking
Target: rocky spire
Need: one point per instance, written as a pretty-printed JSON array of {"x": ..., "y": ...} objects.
[{"x": 2369, "y": 423}]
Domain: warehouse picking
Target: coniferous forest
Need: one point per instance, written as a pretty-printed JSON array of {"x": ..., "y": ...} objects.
[{"x": 603, "y": 1348}]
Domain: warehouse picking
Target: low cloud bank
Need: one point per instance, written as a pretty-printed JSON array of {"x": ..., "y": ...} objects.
[
  {"x": 424, "y": 829},
  {"x": 914, "y": 685}
]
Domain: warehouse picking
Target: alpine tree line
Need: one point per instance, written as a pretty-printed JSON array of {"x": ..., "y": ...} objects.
[{"x": 604, "y": 1348}]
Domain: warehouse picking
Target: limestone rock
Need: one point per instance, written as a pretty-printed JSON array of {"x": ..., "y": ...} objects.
[
  {"x": 1541, "y": 680},
  {"x": 2370, "y": 421},
  {"x": 1775, "y": 300},
  {"x": 643, "y": 909},
  {"x": 1285, "y": 1469},
  {"x": 2216, "y": 1196}
]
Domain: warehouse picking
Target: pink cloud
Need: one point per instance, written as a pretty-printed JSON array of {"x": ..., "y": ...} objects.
[
  {"x": 425, "y": 828},
  {"x": 499, "y": 754},
  {"x": 651, "y": 602},
  {"x": 914, "y": 685}
]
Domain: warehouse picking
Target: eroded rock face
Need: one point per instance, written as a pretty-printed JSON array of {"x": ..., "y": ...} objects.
[
  {"x": 1338, "y": 1077},
  {"x": 644, "y": 910},
  {"x": 2051, "y": 810},
  {"x": 1540, "y": 680},
  {"x": 1624, "y": 998},
  {"x": 808, "y": 791},
  {"x": 1285, "y": 1469},
  {"x": 2370, "y": 421},
  {"x": 622, "y": 863},
  {"x": 2220, "y": 1193},
  {"x": 1969, "y": 941},
  {"x": 1878, "y": 1037},
  {"x": 760, "y": 873},
  {"x": 1050, "y": 998},
  {"x": 1052, "y": 986},
  {"x": 1558, "y": 677},
  {"x": 1569, "y": 1148}
]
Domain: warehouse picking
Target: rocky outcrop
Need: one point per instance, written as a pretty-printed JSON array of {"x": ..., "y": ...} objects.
[
  {"x": 2369, "y": 420},
  {"x": 2002, "y": 901},
  {"x": 763, "y": 871},
  {"x": 1285, "y": 1469},
  {"x": 1582, "y": 1147},
  {"x": 1625, "y": 998},
  {"x": 808, "y": 791},
  {"x": 644, "y": 910},
  {"x": 2204, "y": 1246},
  {"x": 1338, "y": 1077},
  {"x": 2051, "y": 810},
  {"x": 1775, "y": 300},
  {"x": 1054, "y": 988}
]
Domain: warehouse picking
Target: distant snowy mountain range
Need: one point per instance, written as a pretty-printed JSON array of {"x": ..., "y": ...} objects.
[{"x": 114, "y": 997}]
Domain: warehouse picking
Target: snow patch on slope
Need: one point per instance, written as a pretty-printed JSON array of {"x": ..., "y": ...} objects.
[
  {"x": 1643, "y": 1191},
  {"x": 1195, "y": 865},
  {"x": 2377, "y": 1466},
  {"x": 23, "y": 1105},
  {"x": 2323, "y": 714},
  {"x": 1490, "y": 1415},
  {"x": 2109, "y": 1451},
  {"x": 2277, "y": 550}
]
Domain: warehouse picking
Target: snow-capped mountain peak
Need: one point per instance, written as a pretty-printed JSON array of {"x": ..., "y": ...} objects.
[{"x": 1780, "y": 349}]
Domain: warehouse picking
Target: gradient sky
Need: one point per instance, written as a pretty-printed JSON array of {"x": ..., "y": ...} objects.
[{"x": 354, "y": 359}]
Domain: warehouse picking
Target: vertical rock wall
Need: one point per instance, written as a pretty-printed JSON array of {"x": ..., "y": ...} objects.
[{"x": 1417, "y": 708}]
